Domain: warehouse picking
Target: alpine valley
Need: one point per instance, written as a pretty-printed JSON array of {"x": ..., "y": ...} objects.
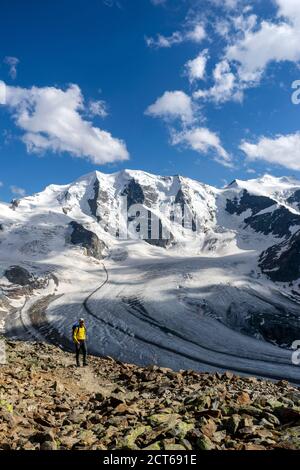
[{"x": 221, "y": 294}]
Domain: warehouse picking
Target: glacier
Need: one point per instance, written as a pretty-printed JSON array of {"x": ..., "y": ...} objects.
[{"x": 226, "y": 298}]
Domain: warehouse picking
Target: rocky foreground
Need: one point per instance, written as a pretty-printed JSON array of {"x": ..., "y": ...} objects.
[{"x": 46, "y": 403}]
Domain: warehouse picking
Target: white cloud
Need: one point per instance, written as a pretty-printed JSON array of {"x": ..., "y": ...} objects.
[
  {"x": 272, "y": 42},
  {"x": 172, "y": 104},
  {"x": 17, "y": 191},
  {"x": 283, "y": 150},
  {"x": 165, "y": 41},
  {"x": 222, "y": 27},
  {"x": 224, "y": 81},
  {"x": 195, "y": 68},
  {"x": 2, "y": 92},
  {"x": 97, "y": 108},
  {"x": 51, "y": 120},
  {"x": 289, "y": 9},
  {"x": 197, "y": 34},
  {"x": 203, "y": 141},
  {"x": 267, "y": 42},
  {"x": 1, "y": 184},
  {"x": 251, "y": 46},
  {"x": 225, "y": 85},
  {"x": 244, "y": 22},
  {"x": 12, "y": 62}
]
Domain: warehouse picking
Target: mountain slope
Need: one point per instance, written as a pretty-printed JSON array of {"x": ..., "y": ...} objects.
[
  {"x": 48, "y": 404},
  {"x": 202, "y": 289}
]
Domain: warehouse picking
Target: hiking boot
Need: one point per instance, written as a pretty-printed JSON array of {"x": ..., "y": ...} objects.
[{"x": 85, "y": 364}]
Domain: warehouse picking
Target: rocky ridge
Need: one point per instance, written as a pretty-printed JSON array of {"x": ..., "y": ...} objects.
[{"x": 47, "y": 404}]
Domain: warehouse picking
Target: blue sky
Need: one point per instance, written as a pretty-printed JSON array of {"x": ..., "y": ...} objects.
[{"x": 200, "y": 88}]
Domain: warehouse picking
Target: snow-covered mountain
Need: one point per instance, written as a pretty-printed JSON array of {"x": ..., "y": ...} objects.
[{"x": 166, "y": 269}]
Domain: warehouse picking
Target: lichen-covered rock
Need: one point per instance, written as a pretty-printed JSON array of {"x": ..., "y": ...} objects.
[
  {"x": 290, "y": 438},
  {"x": 233, "y": 423},
  {"x": 204, "y": 443},
  {"x": 47, "y": 404},
  {"x": 131, "y": 437}
]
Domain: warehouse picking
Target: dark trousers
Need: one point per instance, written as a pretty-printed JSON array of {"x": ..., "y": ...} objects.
[{"x": 81, "y": 346}]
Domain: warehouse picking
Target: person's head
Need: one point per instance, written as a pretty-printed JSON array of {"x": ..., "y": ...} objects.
[{"x": 81, "y": 321}]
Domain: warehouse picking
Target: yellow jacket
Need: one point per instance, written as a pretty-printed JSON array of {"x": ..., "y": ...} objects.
[{"x": 79, "y": 334}]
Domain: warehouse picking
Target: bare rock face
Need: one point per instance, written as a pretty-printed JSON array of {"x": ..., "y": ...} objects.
[
  {"x": 88, "y": 240},
  {"x": 248, "y": 201},
  {"x": 294, "y": 199},
  {"x": 22, "y": 282},
  {"x": 19, "y": 275},
  {"x": 279, "y": 221},
  {"x": 281, "y": 262},
  {"x": 134, "y": 193}
]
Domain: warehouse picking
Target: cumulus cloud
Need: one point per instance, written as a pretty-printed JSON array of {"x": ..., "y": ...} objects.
[
  {"x": 259, "y": 44},
  {"x": 225, "y": 85},
  {"x": 16, "y": 191},
  {"x": 195, "y": 68},
  {"x": 289, "y": 9},
  {"x": 51, "y": 119},
  {"x": 251, "y": 45},
  {"x": 272, "y": 42},
  {"x": 12, "y": 62},
  {"x": 283, "y": 150},
  {"x": 203, "y": 141},
  {"x": 196, "y": 34},
  {"x": 172, "y": 105}
]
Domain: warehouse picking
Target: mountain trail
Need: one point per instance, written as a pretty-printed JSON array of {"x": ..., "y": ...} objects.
[{"x": 48, "y": 403}]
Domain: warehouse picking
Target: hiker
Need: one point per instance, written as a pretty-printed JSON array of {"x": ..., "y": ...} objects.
[{"x": 79, "y": 338}]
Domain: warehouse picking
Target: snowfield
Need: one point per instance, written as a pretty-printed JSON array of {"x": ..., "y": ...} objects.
[{"x": 199, "y": 302}]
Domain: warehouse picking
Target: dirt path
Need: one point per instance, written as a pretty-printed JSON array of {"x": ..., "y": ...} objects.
[{"x": 89, "y": 379}]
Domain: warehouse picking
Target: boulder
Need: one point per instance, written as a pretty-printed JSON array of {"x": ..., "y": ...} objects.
[
  {"x": 48, "y": 445},
  {"x": 290, "y": 438},
  {"x": 204, "y": 443}
]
